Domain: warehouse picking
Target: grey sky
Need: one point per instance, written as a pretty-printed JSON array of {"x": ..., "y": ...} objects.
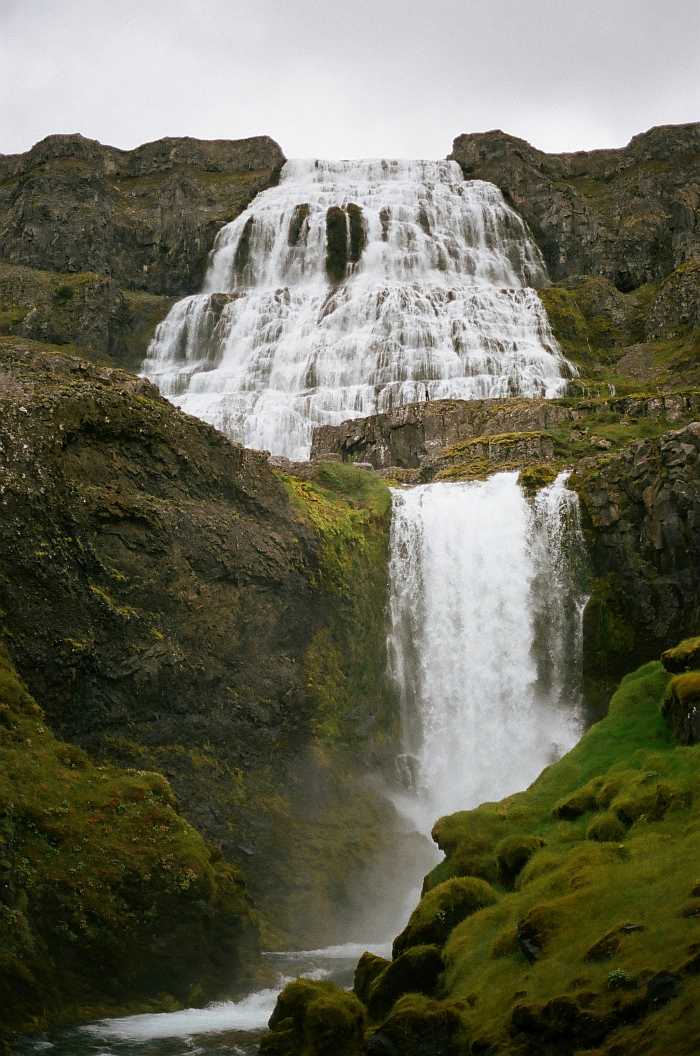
[{"x": 362, "y": 78}]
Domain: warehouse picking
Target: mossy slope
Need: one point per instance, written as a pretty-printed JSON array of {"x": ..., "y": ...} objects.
[
  {"x": 589, "y": 939},
  {"x": 109, "y": 899},
  {"x": 595, "y": 942}
]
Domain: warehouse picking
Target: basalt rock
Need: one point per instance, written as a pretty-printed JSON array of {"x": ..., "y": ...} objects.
[
  {"x": 641, "y": 510},
  {"x": 145, "y": 217},
  {"x": 630, "y": 215}
]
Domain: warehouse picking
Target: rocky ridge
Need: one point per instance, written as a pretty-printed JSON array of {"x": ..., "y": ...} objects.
[
  {"x": 120, "y": 232},
  {"x": 630, "y": 215}
]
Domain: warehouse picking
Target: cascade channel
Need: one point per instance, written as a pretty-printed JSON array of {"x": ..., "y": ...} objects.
[
  {"x": 485, "y": 638},
  {"x": 351, "y": 288}
]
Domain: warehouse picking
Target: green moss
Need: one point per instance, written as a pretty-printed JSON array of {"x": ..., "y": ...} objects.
[
  {"x": 608, "y": 637},
  {"x": 683, "y": 657},
  {"x": 419, "y": 1026},
  {"x": 345, "y": 663},
  {"x": 416, "y": 971},
  {"x": 513, "y": 853},
  {"x": 536, "y": 476},
  {"x": 441, "y": 909},
  {"x": 315, "y": 1019},
  {"x": 606, "y": 827},
  {"x": 104, "y": 883},
  {"x": 629, "y": 784}
]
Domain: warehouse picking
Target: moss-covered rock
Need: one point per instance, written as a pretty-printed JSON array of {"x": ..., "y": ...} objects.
[
  {"x": 181, "y": 606},
  {"x": 441, "y": 909},
  {"x": 419, "y": 1026},
  {"x": 513, "y": 853},
  {"x": 417, "y": 970},
  {"x": 369, "y": 966},
  {"x": 682, "y": 657},
  {"x": 315, "y": 1019},
  {"x": 681, "y": 707},
  {"x": 109, "y": 899},
  {"x": 606, "y": 827},
  {"x": 595, "y": 946}
]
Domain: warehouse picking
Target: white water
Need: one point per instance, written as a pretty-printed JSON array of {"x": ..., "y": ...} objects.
[
  {"x": 485, "y": 638},
  {"x": 438, "y": 305}
]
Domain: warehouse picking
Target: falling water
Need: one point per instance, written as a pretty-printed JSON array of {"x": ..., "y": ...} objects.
[
  {"x": 353, "y": 287},
  {"x": 485, "y": 637}
]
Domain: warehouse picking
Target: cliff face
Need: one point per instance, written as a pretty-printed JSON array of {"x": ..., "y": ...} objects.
[
  {"x": 642, "y": 514},
  {"x": 458, "y": 439},
  {"x": 630, "y": 215},
  {"x": 177, "y": 605},
  {"x": 145, "y": 217},
  {"x": 117, "y": 235},
  {"x": 103, "y": 884}
]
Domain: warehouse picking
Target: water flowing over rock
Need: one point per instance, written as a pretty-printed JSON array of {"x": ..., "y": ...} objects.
[
  {"x": 352, "y": 288},
  {"x": 485, "y": 638}
]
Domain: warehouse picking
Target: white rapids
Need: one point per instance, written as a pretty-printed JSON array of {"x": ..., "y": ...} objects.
[
  {"x": 485, "y": 639},
  {"x": 432, "y": 300}
]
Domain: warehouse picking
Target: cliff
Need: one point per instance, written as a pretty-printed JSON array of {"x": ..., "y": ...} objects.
[
  {"x": 630, "y": 215},
  {"x": 103, "y": 884},
  {"x": 116, "y": 233},
  {"x": 178, "y": 605}
]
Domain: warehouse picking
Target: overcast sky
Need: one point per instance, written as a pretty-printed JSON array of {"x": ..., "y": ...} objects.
[{"x": 364, "y": 78}]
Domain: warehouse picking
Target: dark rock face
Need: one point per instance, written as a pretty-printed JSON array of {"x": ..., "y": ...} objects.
[
  {"x": 177, "y": 607},
  {"x": 642, "y": 514},
  {"x": 84, "y": 310},
  {"x": 439, "y": 438},
  {"x": 630, "y": 215},
  {"x": 145, "y": 217},
  {"x": 419, "y": 432}
]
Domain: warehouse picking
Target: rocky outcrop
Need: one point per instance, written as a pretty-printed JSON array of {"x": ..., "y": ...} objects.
[
  {"x": 630, "y": 215},
  {"x": 83, "y": 310},
  {"x": 178, "y": 605},
  {"x": 95, "y": 243},
  {"x": 453, "y": 438},
  {"x": 641, "y": 510},
  {"x": 145, "y": 217}
]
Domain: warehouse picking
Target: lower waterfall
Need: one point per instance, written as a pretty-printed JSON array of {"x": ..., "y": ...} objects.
[
  {"x": 485, "y": 648},
  {"x": 485, "y": 640}
]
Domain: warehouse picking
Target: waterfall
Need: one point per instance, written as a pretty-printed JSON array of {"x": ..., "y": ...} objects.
[
  {"x": 485, "y": 639},
  {"x": 353, "y": 287}
]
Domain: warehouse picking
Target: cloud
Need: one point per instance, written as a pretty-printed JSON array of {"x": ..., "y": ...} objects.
[{"x": 367, "y": 78}]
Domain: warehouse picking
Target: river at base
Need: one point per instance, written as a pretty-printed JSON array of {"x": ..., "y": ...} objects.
[{"x": 225, "y": 1028}]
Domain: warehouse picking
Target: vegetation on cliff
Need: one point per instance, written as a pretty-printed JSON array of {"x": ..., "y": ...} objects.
[
  {"x": 103, "y": 884},
  {"x": 590, "y": 935}
]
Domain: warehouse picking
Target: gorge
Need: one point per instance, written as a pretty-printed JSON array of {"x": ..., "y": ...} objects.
[{"x": 323, "y": 658}]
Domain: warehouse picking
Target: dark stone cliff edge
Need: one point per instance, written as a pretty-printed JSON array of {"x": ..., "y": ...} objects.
[
  {"x": 630, "y": 215},
  {"x": 119, "y": 232}
]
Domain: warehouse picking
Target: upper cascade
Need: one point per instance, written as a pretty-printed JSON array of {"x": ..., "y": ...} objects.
[{"x": 353, "y": 287}]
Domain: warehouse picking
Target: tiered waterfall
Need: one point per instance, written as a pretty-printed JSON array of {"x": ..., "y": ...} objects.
[{"x": 353, "y": 287}]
